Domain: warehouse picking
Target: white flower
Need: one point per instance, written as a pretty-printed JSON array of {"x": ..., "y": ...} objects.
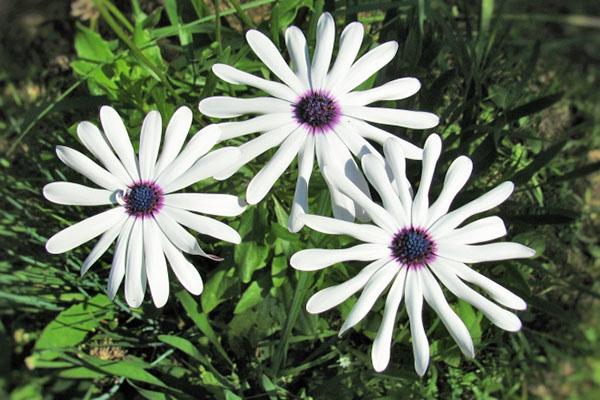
[
  {"x": 411, "y": 244},
  {"x": 314, "y": 111},
  {"x": 147, "y": 217}
]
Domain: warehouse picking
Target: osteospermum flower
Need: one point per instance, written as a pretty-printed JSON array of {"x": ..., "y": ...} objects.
[
  {"x": 413, "y": 246},
  {"x": 146, "y": 216},
  {"x": 315, "y": 110}
]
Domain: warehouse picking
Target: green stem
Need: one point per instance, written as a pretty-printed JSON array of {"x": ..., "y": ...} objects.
[
  {"x": 119, "y": 15},
  {"x": 242, "y": 14},
  {"x": 218, "y": 24}
]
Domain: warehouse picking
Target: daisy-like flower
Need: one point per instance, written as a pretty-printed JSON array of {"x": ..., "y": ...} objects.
[
  {"x": 413, "y": 246},
  {"x": 146, "y": 216},
  {"x": 315, "y": 110}
]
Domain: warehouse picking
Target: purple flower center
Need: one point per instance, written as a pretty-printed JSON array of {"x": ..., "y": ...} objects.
[
  {"x": 317, "y": 110},
  {"x": 413, "y": 247},
  {"x": 143, "y": 199}
]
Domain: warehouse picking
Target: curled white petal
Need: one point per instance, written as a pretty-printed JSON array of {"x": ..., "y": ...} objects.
[
  {"x": 156, "y": 264},
  {"x": 134, "y": 270},
  {"x": 117, "y": 135},
  {"x": 323, "y": 50},
  {"x": 229, "y": 107},
  {"x": 315, "y": 259},
  {"x": 482, "y": 230},
  {"x": 456, "y": 177},
  {"x": 207, "y": 203},
  {"x": 363, "y": 232},
  {"x": 177, "y": 130},
  {"x": 484, "y": 252},
  {"x": 394, "y": 90},
  {"x": 237, "y": 77},
  {"x": 78, "y": 195},
  {"x": 205, "y": 225},
  {"x": 414, "y": 307},
  {"x": 150, "y": 144},
  {"x": 86, "y": 167},
  {"x": 185, "y": 272},
  {"x": 306, "y": 160},
  {"x": 431, "y": 153}
]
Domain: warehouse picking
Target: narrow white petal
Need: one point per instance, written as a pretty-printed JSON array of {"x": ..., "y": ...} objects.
[
  {"x": 332, "y": 296},
  {"x": 394, "y": 90},
  {"x": 350, "y": 42},
  {"x": 496, "y": 291},
  {"x": 394, "y": 156},
  {"x": 315, "y": 259},
  {"x": 156, "y": 265},
  {"x": 380, "y": 136},
  {"x": 298, "y": 50},
  {"x": 77, "y": 195},
  {"x": 207, "y": 203},
  {"x": 380, "y": 352},
  {"x": 431, "y": 153},
  {"x": 150, "y": 144},
  {"x": 103, "y": 244},
  {"x": 323, "y": 50},
  {"x": 271, "y": 57},
  {"x": 391, "y": 116},
  {"x": 484, "y": 252},
  {"x": 205, "y": 225},
  {"x": 371, "y": 292},
  {"x": 229, "y": 107},
  {"x": 354, "y": 141},
  {"x": 117, "y": 271},
  {"x": 414, "y": 307},
  {"x": 262, "y": 182},
  {"x": 497, "y": 315},
  {"x": 134, "y": 279},
  {"x": 489, "y": 200},
  {"x": 180, "y": 237},
  {"x": 306, "y": 159},
  {"x": 86, "y": 167},
  {"x": 185, "y": 272},
  {"x": 255, "y": 147},
  {"x": 94, "y": 141},
  {"x": 261, "y": 123},
  {"x": 482, "y": 230},
  {"x": 175, "y": 135},
  {"x": 455, "y": 179},
  {"x": 366, "y": 66},
  {"x": 456, "y": 327},
  {"x": 83, "y": 231},
  {"x": 237, "y": 77},
  {"x": 363, "y": 232},
  {"x": 117, "y": 135}
]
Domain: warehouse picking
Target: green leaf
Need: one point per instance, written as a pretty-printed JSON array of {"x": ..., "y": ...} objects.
[
  {"x": 539, "y": 162},
  {"x": 252, "y": 296},
  {"x": 532, "y": 107},
  {"x": 90, "y": 46},
  {"x": 215, "y": 288},
  {"x": 249, "y": 257}
]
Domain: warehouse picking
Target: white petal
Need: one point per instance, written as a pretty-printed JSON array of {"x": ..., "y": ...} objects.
[
  {"x": 103, "y": 244},
  {"x": 255, "y": 147},
  {"x": 181, "y": 238},
  {"x": 77, "y": 195},
  {"x": 207, "y": 203},
  {"x": 117, "y": 271},
  {"x": 83, "y": 231},
  {"x": 391, "y": 116},
  {"x": 483, "y": 203},
  {"x": 350, "y": 42},
  {"x": 366, "y": 66},
  {"x": 261, "y": 123},
  {"x": 431, "y": 153},
  {"x": 363, "y": 232},
  {"x": 156, "y": 265},
  {"x": 117, "y": 135},
  {"x": 497, "y": 315},
  {"x": 175, "y": 135},
  {"x": 315, "y": 259},
  {"x": 377, "y": 213},
  {"x": 86, "y": 167},
  {"x": 393, "y": 90},
  {"x": 134, "y": 286},
  {"x": 380, "y": 352},
  {"x": 150, "y": 144},
  {"x": 213, "y": 163},
  {"x": 94, "y": 141},
  {"x": 306, "y": 160},
  {"x": 455, "y": 179},
  {"x": 482, "y": 230},
  {"x": 373, "y": 289},
  {"x": 205, "y": 225},
  {"x": 414, "y": 307},
  {"x": 394, "y": 156},
  {"x": 271, "y": 57},
  {"x": 456, "y": 327},
  {"x": 237, "y": 77},
  {"x": 185, "y": 272},
  {"x": 484, "y": 252},
  {"x": 298, "y": 50},
  {"x": 380, "y": 136},
  {"x": 262, "y": 182},
  {"x": 229, "y": 107},
  {"x": 332, "y": 296},
  {"x": 496, "y": 291},
  {"x": 354, "y": 141},
  {"x": 375, "y": 171},
  {"x": 323, "y": 50},
  {"x": 199, "y": 145}
]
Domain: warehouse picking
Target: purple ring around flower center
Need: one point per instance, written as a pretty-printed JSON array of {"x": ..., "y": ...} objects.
[
  {"x": 413, "y": 247},
  {"x": 143, "y": 199},
  {"x": 317, "y": 110}
]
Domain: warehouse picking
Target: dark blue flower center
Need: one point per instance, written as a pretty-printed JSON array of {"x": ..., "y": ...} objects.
[
  {"x": 412, "y": 246},
  {"x": 143, "y": 199},
  {"x": 317, "y": 110}
]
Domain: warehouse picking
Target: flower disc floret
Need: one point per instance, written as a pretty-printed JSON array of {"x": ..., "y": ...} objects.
[
  {"x": 413, "y": 247},
  {"x": 143, "y": 199},
  {"x": 317, "y": 110}
]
